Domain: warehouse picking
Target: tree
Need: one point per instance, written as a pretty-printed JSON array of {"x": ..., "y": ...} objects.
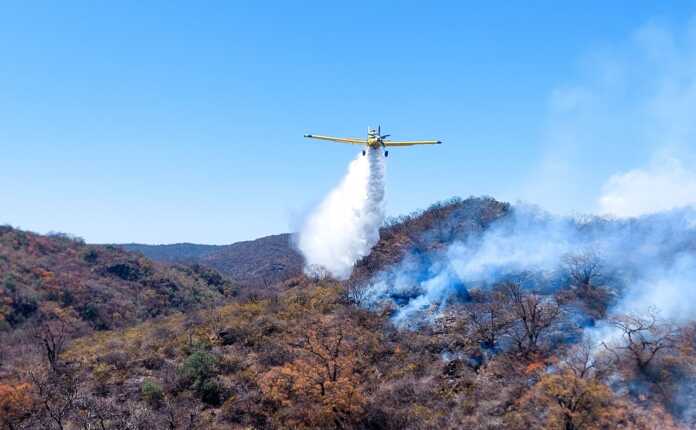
[
  {"x": 181, "y": 413},
  {"x": 52, "y": 332},
  {"x": 356, "y": 292},
  {"x": 101, "y": 413},
  {"x": 644, "y": 337},
  {"x": 533, "y": 315},
  {"x": 584, "y": 361},
  {"x": 587, "y": 280},
  {"x": 584, "y": 269},
  {"x": 565, "y": 401},
  {"x": 57, "y": 395},
  {"x": 323, "y": 385},
  {"x": 488, "y": 317}
]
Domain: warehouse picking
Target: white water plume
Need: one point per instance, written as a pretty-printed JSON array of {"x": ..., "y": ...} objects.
[{"x": 345, "y": 226}]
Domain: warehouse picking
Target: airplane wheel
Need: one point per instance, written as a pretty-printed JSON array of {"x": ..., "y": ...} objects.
[
  {"x": 363, "y": 153},
  {"x": 386, "y": 153}
]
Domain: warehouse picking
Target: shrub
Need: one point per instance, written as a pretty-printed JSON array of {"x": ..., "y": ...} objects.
[
  {"x": 117, "y": 359},
  {"x": 198, "y": 373},
  {"x": 9, "y": 283},
  {"x": 91, "y": 256},
  {"x": 210, "y": 392},
  {"x": 21, "y": 309},
  {"x": 152, "y": 393},
  {"x": 91, "y": 314},
  {"x": 125, "y": 271},
  {"x": 247, "y": 409},
  {"x": 153, "y": 362},
  {"x": 198, "y": 367}
]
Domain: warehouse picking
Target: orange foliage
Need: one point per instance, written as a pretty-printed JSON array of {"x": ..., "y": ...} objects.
[
  {"x": 324, "y": 385},
  {"x": 565, "y": 401},
  {"x": 46, "y": 275},
  {"x": 534, "y": 367},
  {"x": 15, "y": 403}
]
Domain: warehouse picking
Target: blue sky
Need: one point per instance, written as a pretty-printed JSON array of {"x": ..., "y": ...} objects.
[{"x": 164, "y": 122}]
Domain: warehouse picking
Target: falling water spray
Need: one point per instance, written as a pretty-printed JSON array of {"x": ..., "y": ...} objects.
[{"x": 345, "y": 226}]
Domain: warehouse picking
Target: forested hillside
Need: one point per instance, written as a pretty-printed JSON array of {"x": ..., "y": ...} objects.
[
  {"x": 256, "y": 263},
  {"x": 173, "y": 253},
  {"x": 56, "y": 287},
  {"x": 506, "y": 351}
]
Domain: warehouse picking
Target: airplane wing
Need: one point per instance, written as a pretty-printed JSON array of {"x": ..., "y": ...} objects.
[
  {"x": 410, "y": 142},
  {"x": 337, "y": 139}
]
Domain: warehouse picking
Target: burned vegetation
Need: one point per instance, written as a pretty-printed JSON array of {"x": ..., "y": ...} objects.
[{"x": 180, "y": 347}]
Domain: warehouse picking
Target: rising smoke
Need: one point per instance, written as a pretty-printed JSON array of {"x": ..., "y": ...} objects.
[
  {"x": 648, "y": 266},
  {"x": 649, "y": 262},
  {"x": 345, "y": 226}
]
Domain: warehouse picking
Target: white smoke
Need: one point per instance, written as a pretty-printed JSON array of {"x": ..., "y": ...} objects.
[
  {"x": 619, "y": 135},
  {"x": 345, "y": 226},
  {"x": 666, "y": 184},
  {"x": 650, "y": 262}
]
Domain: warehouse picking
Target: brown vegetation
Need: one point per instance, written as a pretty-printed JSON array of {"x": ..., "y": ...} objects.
[
  {"x": 255, "y": 263},
  {"x": 181, "y": 351}
]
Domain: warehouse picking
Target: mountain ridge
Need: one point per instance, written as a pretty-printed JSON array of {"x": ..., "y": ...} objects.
[{"x": 258, "y": 262}]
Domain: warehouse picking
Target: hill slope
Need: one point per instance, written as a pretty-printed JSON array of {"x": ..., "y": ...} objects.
[
  {"x": 305, "y": 356},
  {"x": 429, "y": 230},
  {"x": 103, "y": 286},
  {"x": 261, "y": 262},
  {"x": 173, "y": 253}
]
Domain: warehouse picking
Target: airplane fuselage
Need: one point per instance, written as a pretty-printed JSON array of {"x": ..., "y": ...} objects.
[{"x": 374, "y": 142}]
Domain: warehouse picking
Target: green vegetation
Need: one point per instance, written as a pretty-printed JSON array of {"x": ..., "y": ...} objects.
[
  {"x": 152, "y": 393},
  {"x": 198, "y": 373}
]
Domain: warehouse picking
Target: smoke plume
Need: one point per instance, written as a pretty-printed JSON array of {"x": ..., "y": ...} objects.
[
  {"x": 667, "y": 183},
  {"x": 345, "y": 226},
  {"x": 648, "y": 262}
]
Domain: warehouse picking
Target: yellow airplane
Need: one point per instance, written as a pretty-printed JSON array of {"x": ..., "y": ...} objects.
[{"x": 374, "y": 140}]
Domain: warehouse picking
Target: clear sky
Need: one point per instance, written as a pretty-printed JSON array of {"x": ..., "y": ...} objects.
[{"x": 167, "y": 121}]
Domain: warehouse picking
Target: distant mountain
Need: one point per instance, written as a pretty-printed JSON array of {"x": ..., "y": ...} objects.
[
  {"x": 260, "y": 262},
  {"x": 174, "y": 253}
]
